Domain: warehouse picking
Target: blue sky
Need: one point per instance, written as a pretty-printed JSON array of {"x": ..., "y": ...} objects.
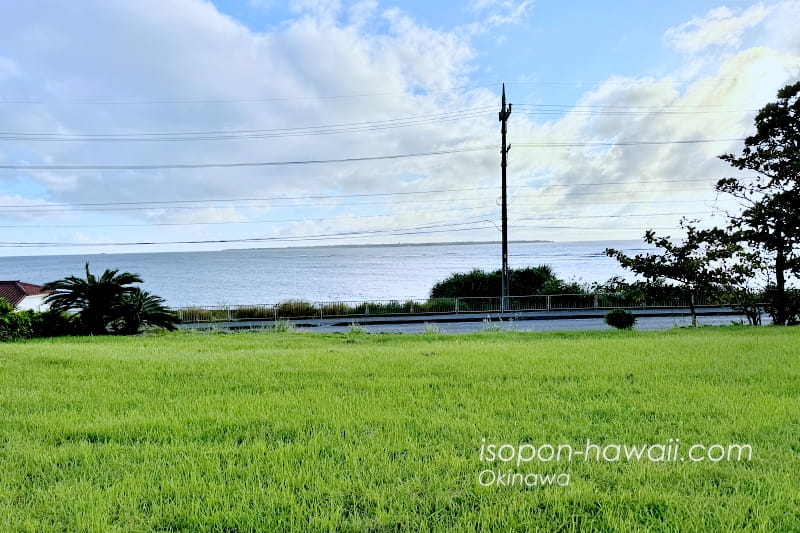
[{"x": 161, "y": 103}]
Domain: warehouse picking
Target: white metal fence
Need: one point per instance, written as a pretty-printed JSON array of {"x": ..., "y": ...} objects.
[{"x": 341, "y": 309}]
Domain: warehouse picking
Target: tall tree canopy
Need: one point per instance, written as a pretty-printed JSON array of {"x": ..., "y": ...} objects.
[{"x": 770, "y": 221}]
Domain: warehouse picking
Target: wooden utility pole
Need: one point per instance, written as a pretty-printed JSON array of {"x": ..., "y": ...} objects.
[{"x": 505, "y": 112}]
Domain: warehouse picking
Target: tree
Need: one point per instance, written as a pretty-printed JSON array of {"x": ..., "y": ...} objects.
[
  {"x": 140, "y": 308},
  {"x": 96, "y": 300},
  {"x": 770, "y": 222},
  {"x": 694, "y": 262}
]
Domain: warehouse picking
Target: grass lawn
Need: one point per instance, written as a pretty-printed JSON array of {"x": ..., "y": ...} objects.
[{"x": 355, "y": 432}]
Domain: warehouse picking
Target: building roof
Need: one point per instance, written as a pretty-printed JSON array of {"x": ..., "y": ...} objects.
[{"x": 16, "y": 291}]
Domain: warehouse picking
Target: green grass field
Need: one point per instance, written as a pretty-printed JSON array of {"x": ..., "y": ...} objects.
[{"x": 356, "y": 432}]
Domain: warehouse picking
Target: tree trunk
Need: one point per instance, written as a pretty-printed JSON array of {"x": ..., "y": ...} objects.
[{"x": 779, "y": 301}]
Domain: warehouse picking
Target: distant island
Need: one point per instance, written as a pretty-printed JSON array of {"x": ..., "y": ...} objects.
[{"x": 390, "y": 245}]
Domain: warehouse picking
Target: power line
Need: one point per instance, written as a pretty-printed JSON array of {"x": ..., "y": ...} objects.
[
  {"x": 631, "y": 215},
  {"x": 446, "y": 115},
  {"x": 630, "y": 107},
  {"x": 267, "y": 199},
  {"x": 207, "y": 101},
  {"x": 602, "y": 228},
  {"x": 645, "y": 182},
  {"x": 352, "y": 159},
  {"x": 331, "y": 219},
  {"x": 353, "y": 127},
  {"x": 241, "y": 100},
  {"x": 58, "y": 209},
  {"x": 617, "y": 143},
  {"x": 157, "y": 203},
  {"x": 232, "y": 222},
  {"x": 234, "y": 165},
  {"x": 331, "y": 236},
  {"x": 658, "y": 201}
]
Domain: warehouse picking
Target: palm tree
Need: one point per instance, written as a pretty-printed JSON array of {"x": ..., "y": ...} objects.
[
  {"x": 97, "y": 300},
  {"x": 140, "y": 308}
]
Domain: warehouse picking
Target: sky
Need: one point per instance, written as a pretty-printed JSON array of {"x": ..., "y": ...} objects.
[{"x": 146, "y": 126}]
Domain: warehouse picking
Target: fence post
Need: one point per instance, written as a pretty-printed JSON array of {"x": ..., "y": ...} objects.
[
  {"x": 548, "y": 302},
  {"x": 457, "y": 300},
  {"x": 595, "y": 301}
]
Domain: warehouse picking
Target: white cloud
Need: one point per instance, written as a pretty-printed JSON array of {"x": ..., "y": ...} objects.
[
  {"x": 495, "y": 12},
  {"x": 719, "y": 105},
  {"x": 720, "y": 27},
  {"x": 231, "y": 78},
  {"x": 306, "y": 73},
  {"x": 323, "y": 9}
]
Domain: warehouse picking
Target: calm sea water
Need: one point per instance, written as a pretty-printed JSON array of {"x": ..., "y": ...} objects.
[{"x": 262, "y": 276}]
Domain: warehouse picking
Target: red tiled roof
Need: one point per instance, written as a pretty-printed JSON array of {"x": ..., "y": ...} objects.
[{"x": 16, "y": 291}]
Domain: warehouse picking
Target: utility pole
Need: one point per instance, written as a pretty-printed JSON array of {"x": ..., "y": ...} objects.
[{"x": 505, "y": 112}]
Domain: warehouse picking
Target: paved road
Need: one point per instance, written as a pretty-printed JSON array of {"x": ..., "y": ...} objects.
[
  {"x": 561, "y": 324},
  {"x": 647, "y": 319}
]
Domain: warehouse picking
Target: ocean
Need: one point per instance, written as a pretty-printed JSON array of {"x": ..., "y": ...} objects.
[{"x": 320, "y": 274}]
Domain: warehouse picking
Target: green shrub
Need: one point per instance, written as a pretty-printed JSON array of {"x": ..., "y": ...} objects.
[
  {"x": 296, "y": 309},
  {"x": 252, "y": 311},
  {"x": 335, "y": 309},
  {"x": 53, "y": 324},
  {"x": 196, "y": 314},
  {"x": 440, "y": 305},
  {"x": 521, "y": 282},
  {"x": 16, "y": 325},
  {"x": 620, "y": 319}
]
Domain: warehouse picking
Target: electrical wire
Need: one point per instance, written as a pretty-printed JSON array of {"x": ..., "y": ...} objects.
[
  {"x": 333, "y": 219},
  {"x": 352, "y": 159},
  {"x": 252, "y": 133},
  {"x": 156, "y": 203},
  {"x": 255, "y": 164},
  {"x": 617, "y": 143},
  {"x": 59, "y": 209},
  {"x": 489, "y": 85},
  {"x": 372, "y": 125},
  {"x": 234, "y": 222},
  {"x": 330, "y": 236}
]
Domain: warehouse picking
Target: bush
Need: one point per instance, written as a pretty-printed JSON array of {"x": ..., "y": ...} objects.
[
  {"x": 15, "y": 326},
  {"x": 791, "y": 304},
  {"x": 335, "y": 309},
  {"x": 252, "y": 312},
  {"x": 296, "y": 309},
  {"x": 439, "y": 305},
  {"x": 521, "y": 282},
  {"x": 620, "y": 319},
  {"x": 53, "y": 324}
]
